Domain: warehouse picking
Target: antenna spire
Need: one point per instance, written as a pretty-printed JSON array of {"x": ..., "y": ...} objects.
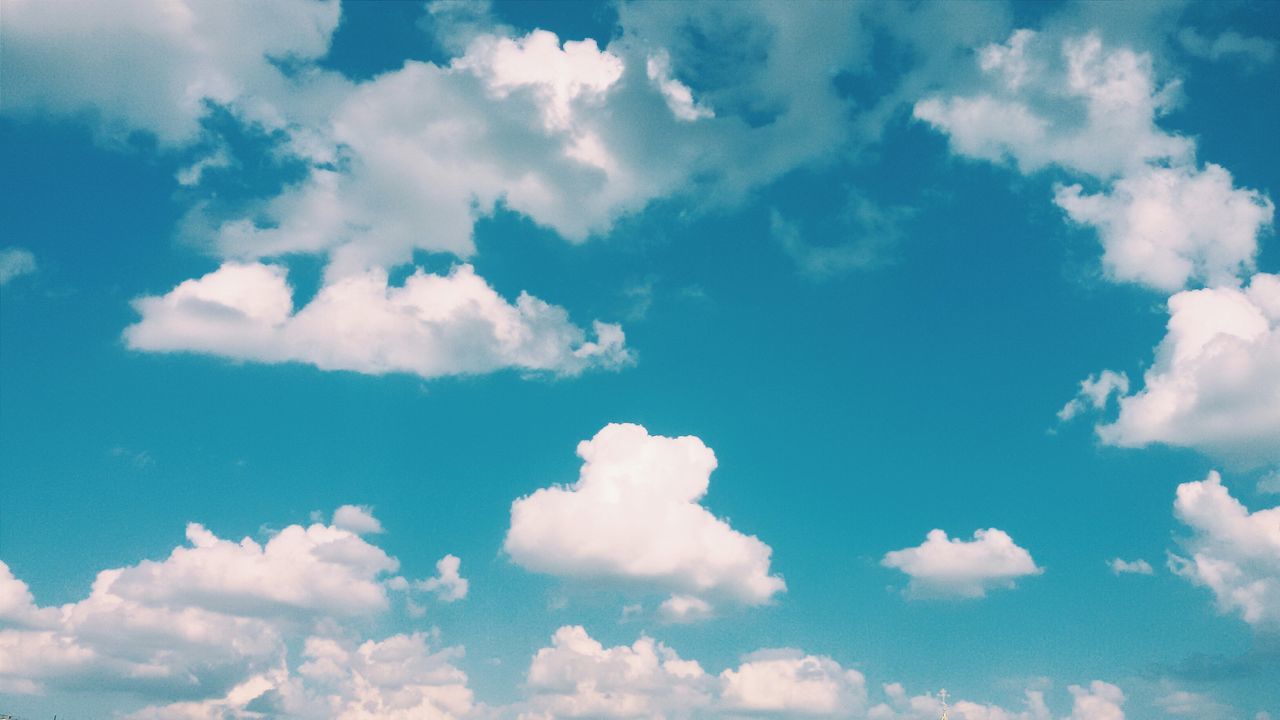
[{"x": 943, "y": 695}]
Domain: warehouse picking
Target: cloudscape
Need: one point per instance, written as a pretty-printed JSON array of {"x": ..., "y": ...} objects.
[{"x": 511, "y": 360}]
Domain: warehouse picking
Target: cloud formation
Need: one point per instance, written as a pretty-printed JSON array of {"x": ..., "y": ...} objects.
[
  {"x": 1215, "y": 382},
  {"x": 633, "y": 515},
  {"x": 1234, "y": 553},
  {"x": 942, "y": 567},
  {"x": 431, "y": 326},
  {"x": 1163, "y": 220},
  {"x": 205, "y": 632}
]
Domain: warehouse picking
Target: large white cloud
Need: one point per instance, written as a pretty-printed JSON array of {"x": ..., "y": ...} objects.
[
  {"x": 1231, "y": 551},
  {"x": 634, "y": 515},
  {"x": 943, "y": 567},
  {"x": 206, "y": 632},
  {"x": 1215, "y": 382},
  {"x": 1164, "y": 221},
  {"x": 432, "y": 325}
]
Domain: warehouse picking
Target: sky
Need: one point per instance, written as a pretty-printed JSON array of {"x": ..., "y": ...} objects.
[{"x": 639, "y": 360}]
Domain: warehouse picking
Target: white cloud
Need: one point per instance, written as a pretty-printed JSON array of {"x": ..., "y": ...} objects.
[
  {"x": 1135, "y": 567},
  {"x": 1163, "y": 221},
  {"x": 356, "y": 518},
  {"x": 1164, "y": 227},
  {"x": 151, "y": 65},
  {"x": 958, "y": 568},
  {"x": 205, "y": 633},
  {"x": 634, "y": 515},
  {"x": 398, "y": 678},
  {"x": 1215, "y": 382},
  {"x": 578, "y": 677},
  {"x": 1231, "y": 551},
  {"x": 432, "y": 325},
  {"x": 1095, "y": 390},
  {"x": 1099, "y": 701},
  {"x": 685, "y": 609},
  {"x": 448, "y": 585},
  {"x": 788, "y": 683},
  {"x": 15, "y": 262},
  {"x": 1110, "y": 129}
]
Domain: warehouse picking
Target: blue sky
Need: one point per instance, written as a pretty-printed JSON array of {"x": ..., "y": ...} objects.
[{"x": 353, "y": 282}]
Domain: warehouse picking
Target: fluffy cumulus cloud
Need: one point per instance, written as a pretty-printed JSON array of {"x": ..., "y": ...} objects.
[
  {"x": 1215, "y": 382},
  {"x": 1163, "y": 220},
  {"x": 15, "y": 262},
  {"x": 577, "y": 676},
  {"x": 430, "y": 326},
  {"x": 1099, "y": 701},
  {"x": 945, "y": 567},
  {"x": 1234, "y": 553},
  {"x": 205, "y": 632},
  {"x": 1164, "y": 226},
  {"x": 783, "y": 683},
  {"x": 634, "y": 515}
]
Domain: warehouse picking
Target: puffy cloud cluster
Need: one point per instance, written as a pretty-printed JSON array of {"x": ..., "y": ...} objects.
[
  {"x": 634, "y": 515},
  {"x": 1234, "y": 553},
  {"x": 943, "y": 567},
  {"x": 432, "y": 325},
  {"x": 210, "y": 625},
  {"x": 1215, "y": 382},
  {"x": 899, "y": 706},
  {"x": 1163, "y": 221},
  {"x": 578, "y": 677},
  {"x": 569, "y": 134},
  {"x": 1164, "y": 226}
]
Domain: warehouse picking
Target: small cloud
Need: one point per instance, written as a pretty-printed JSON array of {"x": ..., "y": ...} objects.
[
  {"x": 1269, "y": 484},
  {"x": 1133, "y": 567},
  {"x": 1095, "y": 391},
  {"x": 357, "y": 519},
  {"x": 942, "y": 567},
  {"x": 448, "y": 585},
  {"x": 15, "y": 262},
  {"x": 681, "y": 609},
  {"x": 1228, "y": 45}
]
